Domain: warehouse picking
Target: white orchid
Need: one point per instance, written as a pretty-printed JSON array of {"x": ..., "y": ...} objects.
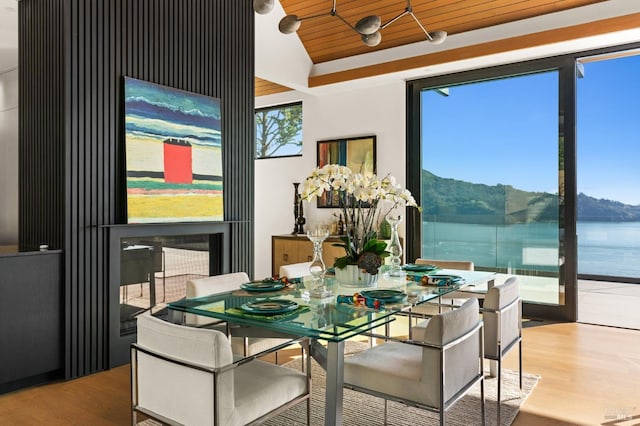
[{"x": 361, "y": 197}]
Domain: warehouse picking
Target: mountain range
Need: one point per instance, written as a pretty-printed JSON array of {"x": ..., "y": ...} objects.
[{"x": 452, "y": 200}]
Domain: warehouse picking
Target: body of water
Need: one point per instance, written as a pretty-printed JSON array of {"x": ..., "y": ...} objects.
[{"x": 604, "y": 248}]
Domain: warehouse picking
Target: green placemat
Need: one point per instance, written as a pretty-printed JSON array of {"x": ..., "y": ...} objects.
[{"x": 239, "y": 312}]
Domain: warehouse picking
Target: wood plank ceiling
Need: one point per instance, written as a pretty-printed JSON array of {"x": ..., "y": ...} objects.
[{"x": 327, "y": 38}]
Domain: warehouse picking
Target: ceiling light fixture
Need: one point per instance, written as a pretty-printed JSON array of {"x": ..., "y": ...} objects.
[
  {"x": 291, "y": 23},
  {"x": 263, "y": 6},
  {"x": 370, "y": 27}
]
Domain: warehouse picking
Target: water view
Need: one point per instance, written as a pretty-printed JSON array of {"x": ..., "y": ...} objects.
[{"x": 604, "y": 248}]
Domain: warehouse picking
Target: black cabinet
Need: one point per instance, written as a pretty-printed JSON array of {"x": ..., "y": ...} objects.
[{"x": 31, "y": 318}]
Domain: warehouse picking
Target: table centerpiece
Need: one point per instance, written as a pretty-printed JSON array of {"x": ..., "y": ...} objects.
[{"x": 365, "y": 200}]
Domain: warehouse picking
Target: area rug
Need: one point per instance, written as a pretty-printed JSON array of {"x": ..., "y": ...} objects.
[{"x": 364, "y": 410}]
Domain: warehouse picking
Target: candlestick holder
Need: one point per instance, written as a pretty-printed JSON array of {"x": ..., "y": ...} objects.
[{"x": 296, "y": 206}]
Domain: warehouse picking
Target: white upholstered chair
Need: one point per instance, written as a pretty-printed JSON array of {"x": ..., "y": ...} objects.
[
  {"x": 187, "y": 375},
  {"x": 295, "y": 270},
  {"x": 247, "y": 341},
  {"x": 428, "y": 309},
  {"x": 463, "y": 265},
  {"x": 502, "y": 315},
  {"x": 432, "y": 371}
]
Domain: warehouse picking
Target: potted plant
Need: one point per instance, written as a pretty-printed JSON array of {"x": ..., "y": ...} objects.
[{"x": 364, "y": 200}]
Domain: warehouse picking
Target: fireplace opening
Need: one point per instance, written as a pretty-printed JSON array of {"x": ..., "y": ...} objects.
[{"x": 154, "y": 271}]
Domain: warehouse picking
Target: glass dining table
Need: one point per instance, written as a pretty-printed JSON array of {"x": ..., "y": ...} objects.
[{"x": 325, "y": 321}]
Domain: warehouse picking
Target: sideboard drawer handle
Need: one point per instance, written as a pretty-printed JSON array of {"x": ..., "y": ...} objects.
[{"x": 285, "y": 257}]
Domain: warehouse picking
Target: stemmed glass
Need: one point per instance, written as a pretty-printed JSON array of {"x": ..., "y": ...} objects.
[{"x": 317, "y": 268}]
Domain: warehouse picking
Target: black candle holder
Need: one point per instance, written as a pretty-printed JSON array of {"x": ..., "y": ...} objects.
[
  {"x": 300, "y": 220},
  {"x": 296, "y": 207}
]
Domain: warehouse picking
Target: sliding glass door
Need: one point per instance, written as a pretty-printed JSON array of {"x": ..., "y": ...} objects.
[
  {"x": 490, "y": 178},
  {"x": 608, "y": 183},
  {"x": 487, "y": 157}
]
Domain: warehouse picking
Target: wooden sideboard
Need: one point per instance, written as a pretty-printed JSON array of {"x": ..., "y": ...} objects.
[{"x": 288, "y": 249}]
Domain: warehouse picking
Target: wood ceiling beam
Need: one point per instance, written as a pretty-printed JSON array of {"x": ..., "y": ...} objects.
[{"x": 557, "y": 35}]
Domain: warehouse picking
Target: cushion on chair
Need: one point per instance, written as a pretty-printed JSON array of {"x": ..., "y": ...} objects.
[
  {"x": 448, "y": 326},
  {"x": 412, "y": 372},
  {"x": 501, "y": 295},
  {"x": 390, "y": 368},
  {"x": 261, "y": 386},
  {"x": 215, "y": 284},
  {"x": 177, "y": 392},
  {"x": 200, "y": 287},
  {"x": 497, "y": 298},
  {"x": 259, "y": 339},
  {"x": 295, "y": 270},
  {"x": 463, "y": 265}
]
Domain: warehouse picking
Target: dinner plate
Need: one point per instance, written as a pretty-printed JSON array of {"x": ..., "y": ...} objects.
[
  {"x": 269, "y": 306},
  {"x": 419, "y": 268},
  {"x": 262, "y": 286},
  {"x": 387, "y": 295}
]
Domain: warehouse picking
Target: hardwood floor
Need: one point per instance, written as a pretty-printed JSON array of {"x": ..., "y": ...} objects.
[{"x": 589, "y": 375}]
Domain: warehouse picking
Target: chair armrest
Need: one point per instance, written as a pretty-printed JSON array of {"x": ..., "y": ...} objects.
[
  {"x": 430, "y": 345},
  {"x": 137, "y": 348},
  {"x": 212, "y": 370}
]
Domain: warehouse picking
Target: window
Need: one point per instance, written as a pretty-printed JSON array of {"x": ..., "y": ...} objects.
[{"x": 279, "y": 131}]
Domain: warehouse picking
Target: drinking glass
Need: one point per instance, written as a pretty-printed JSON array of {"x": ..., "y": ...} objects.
[{"x": 318, "y": 268}]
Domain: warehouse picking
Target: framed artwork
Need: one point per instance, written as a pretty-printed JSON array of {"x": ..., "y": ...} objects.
[
  {"x": 173, "y": 144},
  {"x": 357, "y": 153}
]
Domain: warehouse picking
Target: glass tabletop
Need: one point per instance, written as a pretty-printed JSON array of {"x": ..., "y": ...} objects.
[{"x": 323, "y": 319}]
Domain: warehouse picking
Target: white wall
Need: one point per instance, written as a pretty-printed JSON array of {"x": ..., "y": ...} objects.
[
  {"x": 9, "y": 157},
  {"x": 376, "y": 111}
]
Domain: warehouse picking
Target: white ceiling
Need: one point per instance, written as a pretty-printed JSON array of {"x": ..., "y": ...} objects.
[{"x": 8, "y": 34}]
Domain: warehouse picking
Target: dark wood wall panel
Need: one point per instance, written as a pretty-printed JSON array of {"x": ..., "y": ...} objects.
[
  {"x": 41, "y": 124},
  {"x": 202, "y": 46}
]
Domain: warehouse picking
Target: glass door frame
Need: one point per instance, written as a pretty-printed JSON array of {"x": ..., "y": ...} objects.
[{"x": 566, "y": 68}]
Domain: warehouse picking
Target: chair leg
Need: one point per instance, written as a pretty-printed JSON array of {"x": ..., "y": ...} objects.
[
  {"x": 499, "y": 385},
  {"x": 482, "y": 400},
  {"x": 309, "y": 411},
  {"x": 385, "y": 412},
  {"x": 520, "y": 362},
  {"x": 442, "y": 416}
]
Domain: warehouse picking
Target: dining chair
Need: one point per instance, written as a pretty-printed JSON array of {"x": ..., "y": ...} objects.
[
  {"x": 245, "y": 340},
  {"x": 502, "y": 315},
  {"x": 188, "y": 376},
  {"x": 463, "y": 265},
  {"x": 295, "y": 270},
  {"x": 428, "y": 309},
  {"x": 432, "y": 371}
]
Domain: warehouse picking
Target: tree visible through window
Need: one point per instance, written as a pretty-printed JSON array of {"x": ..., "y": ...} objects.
[{"x": 279, "y": 131}]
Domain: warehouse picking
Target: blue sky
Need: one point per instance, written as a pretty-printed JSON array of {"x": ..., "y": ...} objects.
[{"x": 505, "y": 131}]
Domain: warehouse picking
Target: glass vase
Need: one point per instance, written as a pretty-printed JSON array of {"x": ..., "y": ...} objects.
[
  {"x": 395, "y": 248},
  {"x": 317, "y": 269}
]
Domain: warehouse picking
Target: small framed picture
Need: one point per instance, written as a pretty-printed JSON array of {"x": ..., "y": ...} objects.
[{"x": 357, "y": 153}]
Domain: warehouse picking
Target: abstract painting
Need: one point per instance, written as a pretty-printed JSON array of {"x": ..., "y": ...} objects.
[
  {"x": 173, "y": 154},
  {"x": 359, "y": 154}
]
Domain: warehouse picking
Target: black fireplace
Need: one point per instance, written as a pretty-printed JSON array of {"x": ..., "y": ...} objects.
[{"x": 149, "y": 265}]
